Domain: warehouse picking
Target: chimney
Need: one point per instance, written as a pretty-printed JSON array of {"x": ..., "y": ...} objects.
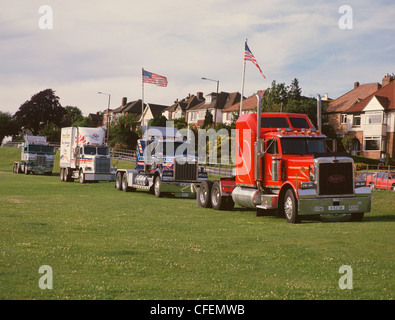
[
  {"x": 356, "y": 84},
  {"x": 199, "y": 95},
  {"x": 124, "y": 101},
  {"x": 386, "y": 80}
]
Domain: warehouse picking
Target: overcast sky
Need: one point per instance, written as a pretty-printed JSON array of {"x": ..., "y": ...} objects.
[{"x": 98, "y": 45}]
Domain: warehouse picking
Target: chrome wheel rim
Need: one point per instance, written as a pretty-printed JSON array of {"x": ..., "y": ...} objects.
[{"x": 288, "y": 207}]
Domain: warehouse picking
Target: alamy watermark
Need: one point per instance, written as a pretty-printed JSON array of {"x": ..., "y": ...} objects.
[
  {"x": 346, "y": 280},
  {"x": 346, "y": 20},
  {"x": 45, "y": 281},
  {"x": 45, "y": 22}
]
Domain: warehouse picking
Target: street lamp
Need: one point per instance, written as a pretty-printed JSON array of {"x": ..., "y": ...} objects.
[
  {"x": 216, "y": 104},
  {"x": 108, "y": 115}
]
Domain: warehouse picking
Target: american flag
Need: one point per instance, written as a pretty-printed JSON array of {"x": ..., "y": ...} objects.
[
  {"x": 248, "y": 56},
  {"x": 149, "y": 77}
]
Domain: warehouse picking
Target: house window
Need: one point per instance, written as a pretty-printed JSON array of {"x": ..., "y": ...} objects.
[
  {"x": 371, "y": 143},
  {"x": 356, "y": 121},
  {"x": 343, "y": 119},
  {"x": 374, "y": 118}
]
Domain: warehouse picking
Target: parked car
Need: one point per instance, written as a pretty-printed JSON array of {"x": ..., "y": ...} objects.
[
  {"x": 364, "y": 176},
  {"x": 382, "y": 180}
]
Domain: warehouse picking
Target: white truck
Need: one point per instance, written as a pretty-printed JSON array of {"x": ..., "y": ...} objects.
[
  {"x": 36, "y": 156},
  {"x": 84, "y": 155}
]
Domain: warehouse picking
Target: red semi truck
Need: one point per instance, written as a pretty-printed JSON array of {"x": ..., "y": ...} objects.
[{"x": 282, "y": 165}]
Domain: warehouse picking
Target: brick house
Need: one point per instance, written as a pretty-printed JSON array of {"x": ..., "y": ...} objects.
[{"x": 371, "y": 122}]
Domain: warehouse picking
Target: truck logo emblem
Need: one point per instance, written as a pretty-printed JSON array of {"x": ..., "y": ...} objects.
[
  {"x": 336, "y": 178},
  {"x": 95, "y": 136}
]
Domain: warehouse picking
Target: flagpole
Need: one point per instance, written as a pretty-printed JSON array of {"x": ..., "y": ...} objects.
[
  {"x": 242, "y": 84},
  {"x": 142, "y": 98}
]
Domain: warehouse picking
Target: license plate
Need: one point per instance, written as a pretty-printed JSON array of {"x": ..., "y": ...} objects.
[{"x": 335, "y": 208}]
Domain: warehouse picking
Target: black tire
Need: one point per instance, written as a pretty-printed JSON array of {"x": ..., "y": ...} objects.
[
  {"x": 82, "y": 177},
  {"x": 157, "y": 185},
  {"x": 67, "y": 175},
  {"x": 118, "y": 181},
  {"x": 219, "y": 202},
  {"x": 204, "y": 194},
  {"x": 290, "y": 207},
  {"x": 357, "y": 217},
  {"x": 125, "y": 186}
]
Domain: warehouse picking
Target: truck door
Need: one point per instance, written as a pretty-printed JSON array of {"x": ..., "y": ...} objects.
[{"x": 271, "y": 147}]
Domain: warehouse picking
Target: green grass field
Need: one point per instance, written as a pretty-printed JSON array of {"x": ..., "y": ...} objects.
[{"x": 105, "y": 244}]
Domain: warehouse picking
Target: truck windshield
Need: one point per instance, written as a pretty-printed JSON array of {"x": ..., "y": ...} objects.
[
  {"x": 103, "y": 151},
  {"x": 34, "y": 148},
  {"x": 302, "y": 145},
  {"x": 40, "y": 148},
  {"x": 90, "y": 150},
  {"x": 47, "y": 149},
  {"x": 169, "y": 148}
]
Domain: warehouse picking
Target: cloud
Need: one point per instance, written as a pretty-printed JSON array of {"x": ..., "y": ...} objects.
[{"x": 102, "y": 46}]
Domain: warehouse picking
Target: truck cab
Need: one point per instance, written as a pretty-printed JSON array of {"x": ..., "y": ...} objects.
[
  {"x": 163, "y": 166},
  {"x": 37, "y": 156},
  {"x": 84, "y": 155}
]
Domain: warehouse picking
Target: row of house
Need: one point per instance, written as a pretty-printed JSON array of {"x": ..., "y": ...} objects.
[
  {"x": 223, "y": 106},
  {"x": 366, "y": 113}
]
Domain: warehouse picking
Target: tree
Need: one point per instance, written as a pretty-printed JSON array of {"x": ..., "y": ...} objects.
[
  {"x": 51, "y": 131},
  {"x": 73, "y": 114},
  {"x": 158, "y": 121},
  {"x": 294, "y": 93},
  {"x": 208, "y": 119},
  {"x": 124, "y": 133},
  {"x": 276, "y": 98},
  {"x": 180, "y": 123},
  {"x": 41, "y": 109},
  {"x": 8, "y": 126}
]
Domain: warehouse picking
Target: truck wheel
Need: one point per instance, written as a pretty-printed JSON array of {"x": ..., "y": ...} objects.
[
  {"x": 118, "y": 181},
  {"x": 82, "y": 177},
  {"x": 290, "y": 207},
  {"x": 356, "y": 217},
  {"x": 125, "y": 185},
  {"x": 157, "y": 184},
  {"x": 218, "y": 202},
  {"x": 204, "y": 198}
]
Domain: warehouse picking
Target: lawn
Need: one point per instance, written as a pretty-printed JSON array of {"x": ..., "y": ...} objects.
[{"x": 105, "y": 244}]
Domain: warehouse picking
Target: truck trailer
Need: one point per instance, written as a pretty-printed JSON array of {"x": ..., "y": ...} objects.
[
  {"x": 84, "y": 155},
  {"x": 282, "y": 166},
  {"x": 160, "y": 170},
  {"x": 36, "y": 156}
]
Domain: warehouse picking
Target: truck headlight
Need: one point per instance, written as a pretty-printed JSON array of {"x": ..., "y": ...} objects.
[
  {"x": 359, "y": 184},
  {"x": 167, "y": 173},
  {"x": 307, "y": 185}
]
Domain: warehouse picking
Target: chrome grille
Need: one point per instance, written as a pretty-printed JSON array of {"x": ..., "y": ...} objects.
[
  {"x": 102, "y": 165},
  {"x": 186, "y": 171},
  {"x": 335, "y": 178}
]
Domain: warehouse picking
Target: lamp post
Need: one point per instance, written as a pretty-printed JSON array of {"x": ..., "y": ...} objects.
[
  {"x": 108, "y": 115},
  {"x": 215, "y": 108}
]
